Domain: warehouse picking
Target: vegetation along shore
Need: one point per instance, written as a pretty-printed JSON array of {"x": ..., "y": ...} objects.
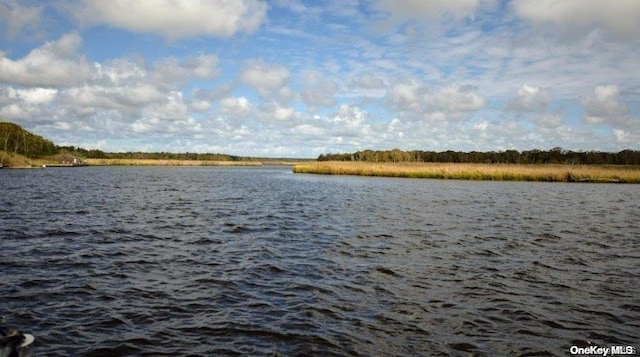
[
  {"x": 20, "y": 148},
  {"x": 464, "y": 171},
  {"x": 168, "y": 162}
]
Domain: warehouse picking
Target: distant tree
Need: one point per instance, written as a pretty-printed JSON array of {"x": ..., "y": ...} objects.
[
  {"x": 555, "y": 155},
  {"x": 15, "y": 139}
]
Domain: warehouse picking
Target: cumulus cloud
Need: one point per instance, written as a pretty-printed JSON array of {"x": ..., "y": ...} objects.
[
  {"x": 349, "y": 121},
  {"x": 166, "y": 73},
  {"x": 171, "y": 70},
  {"x": 353, "y": 89},
  {"x": 234, "y": 105},
  {"x": 619, "y": 17},
  {"x": 455, "y": 99},
  {"x": 56, "y": 63},
  {"x": 530, "y": 99},
  {"x": 603, "y": 105},
  {"x": 33, "y": 95},
  {"x": 174, "y": 108},
  {"x": 626, "y": 137},
  {"x": 200, "y": 105},
  {"x": 15, "y": 18},
  {"x": 174, "y": 19},
  {"x": 320, "y": 91},
  {"x": 405, "y": 95},
  {"x": 368, "y": 81},
  {"x": 437, "y": 104},
  {"x": 266, "y": 78},
  {"x": 548, "y": 120},
  {"x": 118, "y": 97},
  {"x": 274, "y": 112},
  {"x": 113, "y": 97}
]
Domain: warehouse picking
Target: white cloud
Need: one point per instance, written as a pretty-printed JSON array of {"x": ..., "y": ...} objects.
[
  {"x": 56, "y": 63},
  {"x": 603, "y": 105},
  {"x": 405, "y": 95},
  {"x": 33, "y": 95},
  {"x": 440, "y": 104},
  {"x": 349, "y": 121},
  {"x": 171, "y": 70},
  {"x": 234, "y": 105},
  {"x": 319, "y": 91},
  {"x": 200, "y": 105},
  {"x": 266, "y": 78},
  {"x": 368, "y": 81},
  {"x": 174, "y": 19},
  {"x": 13, "y": 112},
  {"x": 274, "y": 112},
  {"x": 113, "y": 97},
  {"x": 455, "y": 99},
  {"x": 530, "y": 99},
  {"x": 326, "y": 80},
  {"x": 629, "y": 138},
  {"x": 119, "y": 72},
  {"x": 203, "y": 66},
  {"x": 619, "y": 17},
  {"x": 16, "y": 18},
  {"x": 173, "y": 108},
  {"x": 166, "y": 73},
  {"x": 549, "y": 120}
]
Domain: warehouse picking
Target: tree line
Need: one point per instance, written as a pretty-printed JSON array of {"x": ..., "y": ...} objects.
[
  {"x": 14, "y": 139},
  {"x": 553, "y": 156},
  {"x": 138, "y": 155}
]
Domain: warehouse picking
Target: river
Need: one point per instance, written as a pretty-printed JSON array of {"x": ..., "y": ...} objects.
[{"x": 179, "y": 261}]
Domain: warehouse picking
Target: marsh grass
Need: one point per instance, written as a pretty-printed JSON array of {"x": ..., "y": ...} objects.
[
  {"x": 152, "y": 162},
  {"x": 494, "y": 172},
  {"x": 19, "y": 161}
]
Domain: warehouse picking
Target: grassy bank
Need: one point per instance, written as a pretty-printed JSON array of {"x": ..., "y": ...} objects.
[
  {"x": 496, "y": 172},
  {"x": 19, "y": 161},
  {"x": 151, "y": 162}
]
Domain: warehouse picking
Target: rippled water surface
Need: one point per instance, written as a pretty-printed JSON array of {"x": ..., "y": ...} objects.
[{"x": 170, "y": 261}]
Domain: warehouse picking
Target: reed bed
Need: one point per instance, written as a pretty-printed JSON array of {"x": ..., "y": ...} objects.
[
  {"x": 153, "y": 162},
  {"x": 494, "y": 172}
]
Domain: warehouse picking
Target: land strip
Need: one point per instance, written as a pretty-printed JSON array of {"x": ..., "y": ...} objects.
[
  {"x": 167, "y": 162},
  {"x": 494, "y": 172}
]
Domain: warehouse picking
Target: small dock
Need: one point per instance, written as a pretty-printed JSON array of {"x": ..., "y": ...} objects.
[
  {"x": 74, "y": 163},
  {"x": 64, "y": 165}
]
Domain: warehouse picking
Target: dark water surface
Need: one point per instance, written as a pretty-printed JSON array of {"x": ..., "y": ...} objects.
[{"x": 259, "y": 261}]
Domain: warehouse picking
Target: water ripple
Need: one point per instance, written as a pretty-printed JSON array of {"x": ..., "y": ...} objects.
[{"x": 258, "y": 261}]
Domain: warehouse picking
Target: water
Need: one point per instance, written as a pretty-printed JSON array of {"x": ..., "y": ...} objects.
[{"x": 173, "y": 261}]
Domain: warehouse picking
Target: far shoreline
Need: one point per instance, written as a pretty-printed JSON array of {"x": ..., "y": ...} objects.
[
  {"x": 40, "y": 164},
  {"x": 168, "y": 162},
  {"x": 448, "y": 171},
  {"x": 484, "y": 172}
]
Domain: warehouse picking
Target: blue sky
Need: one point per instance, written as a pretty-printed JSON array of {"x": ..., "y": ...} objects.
[{"x": 293, "y": 78}]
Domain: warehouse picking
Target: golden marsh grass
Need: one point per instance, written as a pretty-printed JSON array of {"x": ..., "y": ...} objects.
[
  {"x": 495, "y": 172},
  {"x": 153, "y": 162}
]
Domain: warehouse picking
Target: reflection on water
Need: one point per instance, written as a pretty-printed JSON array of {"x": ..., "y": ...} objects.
[{"x": 237, "y": 261}]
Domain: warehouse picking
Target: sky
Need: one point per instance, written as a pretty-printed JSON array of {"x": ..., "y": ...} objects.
[{"x": 294, "y": 78}]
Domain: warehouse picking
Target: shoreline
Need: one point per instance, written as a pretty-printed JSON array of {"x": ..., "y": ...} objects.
[
  {"x": 484, "y": 172},
  {"x": 167, "y": 162},
  {"x": 40, "y": 164}
]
